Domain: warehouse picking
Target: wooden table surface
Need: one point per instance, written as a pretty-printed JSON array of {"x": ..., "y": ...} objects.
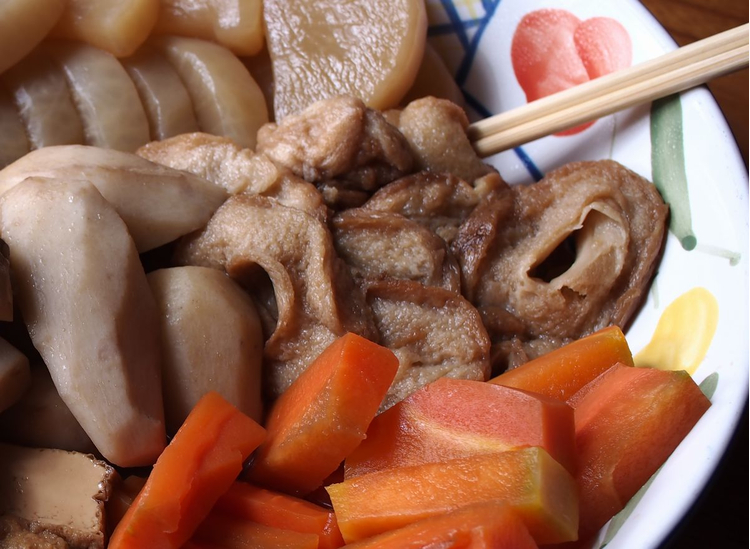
[
  {"x": 720, "y": 519},
  {"x": 691, "y": 20}
]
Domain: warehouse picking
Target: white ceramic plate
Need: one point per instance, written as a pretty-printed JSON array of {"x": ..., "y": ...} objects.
[{"x": 686, "y": 147}]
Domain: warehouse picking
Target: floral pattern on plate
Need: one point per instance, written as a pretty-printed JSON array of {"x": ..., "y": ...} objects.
[{"x": 699, "y": 298}]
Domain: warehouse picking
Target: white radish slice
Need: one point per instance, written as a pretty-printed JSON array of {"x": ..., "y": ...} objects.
[
  {"x": 226, "y": 99},
  {"x": 235, "y": 24},
  {"x": 434, "y": 78},
  {"x": 13, "y": 141},
  {"x": 23, "y": 25},
  {"x": 43, "y": 101},
  {"x": 105, "y": 96},
  {"x": 261, "y": 70},
  {"x": 370, "y": 49},
  {"x": 167, "y": 103},
  {"x": 117, "y": 26}
]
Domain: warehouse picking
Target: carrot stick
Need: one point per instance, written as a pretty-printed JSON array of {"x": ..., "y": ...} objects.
[
  {"x": 488, "y": 525},
  {"x": 628, "y": 422},
  {"x": 538, "y": 488},
  {"x": 193, "y": 544},
  {"x": 197, "y": 467},
  {"x": 271, "y": 508},
  {"x": 324, "y": 415},
  {"x": 452, "y": 418},
  {"x": 562, "y": 372},
  {"x": 232, "y": 533}
]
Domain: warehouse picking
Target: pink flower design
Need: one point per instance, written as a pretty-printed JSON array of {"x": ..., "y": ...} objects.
[{"x": 553, "y": 50}]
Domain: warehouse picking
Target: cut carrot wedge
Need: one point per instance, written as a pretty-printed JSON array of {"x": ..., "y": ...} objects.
[
  {"x": 560, "y": 373},
  {"x": 198, "y": 466},
  {"x": 271, "y": 508},
  {"x": 491, "y": 525},
  {"x": 627, "y": 425},
  {"x": 194, "y": 544},
  {"x": 324, "y": 415},
  {"x": 451, "y": 418},
  {"x": 538, "y": 488},
  {"x": 233, "y": 533}
]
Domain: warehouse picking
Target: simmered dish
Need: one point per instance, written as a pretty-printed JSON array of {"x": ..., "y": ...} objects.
[{"x": 175, "y": 228}]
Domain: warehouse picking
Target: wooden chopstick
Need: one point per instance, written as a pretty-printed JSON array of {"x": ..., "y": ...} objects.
[{"x": 676, "y": 71}]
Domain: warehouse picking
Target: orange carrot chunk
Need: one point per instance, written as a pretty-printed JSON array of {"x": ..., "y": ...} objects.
[
  {"x": 198, "y": 466},
  {"x": 535, "y": 486},
  {"x": 451, "y": 418},
  {"x": 560, "y": 373},
  {"x": 233, "y": 533},
  {"x": 271, "y": 508},
  {"x": 194, "y": 544},
  {"x": 324, "y": 415},
  {"x": 492, "y": 525},
  {"x": 627, "y": 425}
]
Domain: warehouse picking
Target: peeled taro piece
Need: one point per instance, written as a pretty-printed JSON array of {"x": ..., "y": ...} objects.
[{"x": 313, "y": 300}]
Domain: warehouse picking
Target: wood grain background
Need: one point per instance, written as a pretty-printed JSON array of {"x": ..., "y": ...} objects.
[
  {"x": 720, "y": 518},
  {"x": 691, "y": 20}
]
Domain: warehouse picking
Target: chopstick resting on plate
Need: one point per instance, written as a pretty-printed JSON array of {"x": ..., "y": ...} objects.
[{"x": 678, "y": 70}]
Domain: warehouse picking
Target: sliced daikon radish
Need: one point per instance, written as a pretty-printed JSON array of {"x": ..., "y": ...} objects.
[
  {"x": 367, "y": 48},
  {"x": 261, "y": 70},
  {"x": 44, "y": 103},
  {"x": 105, "y": 96},
  {"x": 13, "y": 140},
  {"x": 235, "y": 24},
  {"x": 434, "y": 78},
  {"x": 167, "y": 103},
  {"x": 117, "y": 26},
  {"x": 23, "y": 25},
  {"x": 226, "y": 99}
]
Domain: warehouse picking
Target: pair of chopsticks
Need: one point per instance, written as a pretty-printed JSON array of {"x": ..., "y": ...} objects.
[{"x": 676, "y": 71}]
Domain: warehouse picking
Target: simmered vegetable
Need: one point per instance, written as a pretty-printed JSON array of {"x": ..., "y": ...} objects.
[
  {"x": 235, "y": 24},
  {"x": 226, "y": 99},
  {"x": 116, "y": 26},
  {"x": 492, "y": 525},
  {"x": 158, "y": 204},
  {"x": 198, "y": 466},
  {"x": 85, "y": 300},
  {"x": 538, "y": 488},
  {"x": 23, "y": 25},
  {"x": 164, "y": 96},
  {"x": 231, "y": 533},
  {"x": 14, "y": 142},
  {"x": 324, "y": 414},
  {"x": 106, "y": 98},
  {"x": 562, "y": 372},
  {"x": 283, "y": 511},
  {"x": 44, "y": 101},
  {"x": 316, "y": 55},
  {"x": 452, "y": 418},
  {"x": 628, "y": 421},
  {"x": 211, "y": 341}
]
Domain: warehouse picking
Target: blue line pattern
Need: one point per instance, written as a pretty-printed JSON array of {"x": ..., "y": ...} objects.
[{"x": 469, "y": 33}]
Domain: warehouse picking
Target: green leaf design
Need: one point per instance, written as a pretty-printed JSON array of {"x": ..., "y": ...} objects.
[
  {"x": 619, "y": 519},
  {"x": 668, "y": 166},
  {"x": 708, "y": 385}
]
